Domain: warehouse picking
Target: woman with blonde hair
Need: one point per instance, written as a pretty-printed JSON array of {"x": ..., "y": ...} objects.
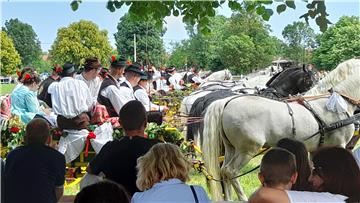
[{"x": 162, "y": 173}]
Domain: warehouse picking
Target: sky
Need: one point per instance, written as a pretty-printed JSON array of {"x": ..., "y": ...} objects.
[{"x": 47, "y": 17}]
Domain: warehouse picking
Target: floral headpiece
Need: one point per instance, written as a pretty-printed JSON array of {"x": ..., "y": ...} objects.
[
  {"x": 23, "y": 76},
  {"x": 58, "y": 69},
  {"x": 114, "y": 58}
]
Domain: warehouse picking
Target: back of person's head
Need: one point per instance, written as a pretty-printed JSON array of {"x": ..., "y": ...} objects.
[
  {"x": 302, "y": 162},
  {"x": 278, "y": 166},
  {"x": 37, "y": 132},
  {"x": 103, "y": 192},
  {"x": 68, "y": 70},
  {"x": 91, "y": 64},
  {"x": 339, "y": 171},
  {"x": 28, "y": 76},
  {"x": 162, "y": 162},
  {"x": 132, "y": 116}
]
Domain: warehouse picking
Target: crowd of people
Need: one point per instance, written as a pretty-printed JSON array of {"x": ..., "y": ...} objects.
[{"x": 135, "y": 168}]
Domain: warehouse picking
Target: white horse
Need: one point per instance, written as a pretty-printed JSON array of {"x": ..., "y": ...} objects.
[
  {"x": 219, "y": 76},
  {"x": 245, "y": 124}
]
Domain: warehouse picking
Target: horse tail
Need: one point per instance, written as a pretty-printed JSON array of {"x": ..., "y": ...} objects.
[{"x": 212, "y": 144}]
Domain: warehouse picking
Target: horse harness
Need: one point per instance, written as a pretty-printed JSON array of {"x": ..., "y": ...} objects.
[{"x": 323, "y": 127}]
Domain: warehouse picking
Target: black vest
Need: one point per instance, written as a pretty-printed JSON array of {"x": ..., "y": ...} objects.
[
  {"x": 124, "y": 84},
  {"x": 105, "y": 101},
  {"x": 137, "y": 87}
]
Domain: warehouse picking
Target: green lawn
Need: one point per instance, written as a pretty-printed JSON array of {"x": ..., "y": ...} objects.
[{"x": 6, "y": 88}]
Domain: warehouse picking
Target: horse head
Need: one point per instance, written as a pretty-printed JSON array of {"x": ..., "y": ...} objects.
[{"x": 292, "y": 81}]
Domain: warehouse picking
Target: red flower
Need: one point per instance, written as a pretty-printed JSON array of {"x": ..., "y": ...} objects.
[
  {"x": 27, "y": 76},
  {"x": 91, "y": 135},
  {"x": 58, "y": 69},
  {"x": 113, "y": 58},
  {"x": 14, "y": 129},
  {"x": 128, "y": 62},
  {"x": 18, "y": 73},
  {"x": 57, "y": 133}
]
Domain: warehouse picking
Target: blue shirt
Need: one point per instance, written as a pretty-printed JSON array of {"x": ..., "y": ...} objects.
[
  {"x": 24, "y": 103},
  {"x": 172, "y": 190}
]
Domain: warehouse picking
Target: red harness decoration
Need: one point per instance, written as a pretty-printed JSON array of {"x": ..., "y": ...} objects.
[{"x": 91, "y": 135}]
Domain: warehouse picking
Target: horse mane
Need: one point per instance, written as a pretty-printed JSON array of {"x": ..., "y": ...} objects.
[
  {"x": 279, "y": 77},
  {"x": 340, "y": 73},
  {"x": 349, "y": 87},
  {"x": 198, "y": 108}
]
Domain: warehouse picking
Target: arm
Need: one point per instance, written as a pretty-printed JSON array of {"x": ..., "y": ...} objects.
[
  {"x": 141, "y": 96},
  {"x": 115, "y": 97}
]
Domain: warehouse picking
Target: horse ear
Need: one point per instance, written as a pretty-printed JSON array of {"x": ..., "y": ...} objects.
[{"x": 305, "y": 69}]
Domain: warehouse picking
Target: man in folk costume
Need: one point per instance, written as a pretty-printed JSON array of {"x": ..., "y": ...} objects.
[
  {"x": 89, "y": 75},
  {"x": 109, "y": 93},
  {"x": 133, "y": 74},
  {"x": 43, "y": 88},
  {"x": 71, "y": 100},
  {"x": 175, "y": 82},
  {"x": 141, "y": 94}
]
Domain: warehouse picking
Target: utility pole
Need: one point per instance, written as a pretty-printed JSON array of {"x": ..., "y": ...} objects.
[{"x": 134, "y": 47}]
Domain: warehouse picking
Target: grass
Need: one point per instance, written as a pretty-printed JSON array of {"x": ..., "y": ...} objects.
[{"x": 6, "y": 88}]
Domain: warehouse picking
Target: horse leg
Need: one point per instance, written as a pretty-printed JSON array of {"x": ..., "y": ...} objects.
[
  {"x": 229, "y": 152},
  {"x": 231, "y": 168}
]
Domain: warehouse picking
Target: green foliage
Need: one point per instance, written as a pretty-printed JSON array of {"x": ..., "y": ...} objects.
[
  {"x": 10, "y": 58},
  {"x": 149, "y": 45},
  {"x": 199, "y": 12},
  {"x": 78, "y": 41},
  {"x": 299, "y": 37},
  {"x": 42, "y": 66},
  {"x": 241, "y": 46},
  {"x": 340, "y": 42},
  {"x": 241, "y": 43},
  {"x": 25, "y": 40}
]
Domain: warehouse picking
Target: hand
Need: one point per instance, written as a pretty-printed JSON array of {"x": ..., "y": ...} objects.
[{"x": 47, "y": 111}]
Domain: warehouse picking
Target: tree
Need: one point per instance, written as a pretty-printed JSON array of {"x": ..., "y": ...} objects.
[
  {"x": 25, "y": 40},
  {"x": 340, "y": 42},
  {"x": 198, "y": 12},
  {"x": 149, "y": 45},
  {"x": 223, "y": 48},
  {"x": 241, "y": 46},
  {"x": 299, "y": 37},
  {"x": 78, "y": 41},
  {"x": 178, "y": 56},
  {"x": 10, "y": 58}
]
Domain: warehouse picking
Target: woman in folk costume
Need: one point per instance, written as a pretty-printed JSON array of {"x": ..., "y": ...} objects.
[{"x": 24, "y": 102}]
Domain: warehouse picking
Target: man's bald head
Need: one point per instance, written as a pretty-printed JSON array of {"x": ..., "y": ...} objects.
[{"x": 37, "y": 132}]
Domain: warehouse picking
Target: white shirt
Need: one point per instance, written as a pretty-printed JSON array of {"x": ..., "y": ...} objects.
[
  {"x": 161, "y": 85},
  {"x": 305, "y": 196},
  {"x": 142, "y": 96},
  {"x": 70, "y": 97},
  {"x": 118, "y": 96},
  {"x": 175, "y": 82},
  {"x": 94, "y": 85},
  {"x": 197, "y": 79}
]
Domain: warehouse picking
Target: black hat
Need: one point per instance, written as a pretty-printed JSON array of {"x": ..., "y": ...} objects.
[
  {"x": 136, "y": 69},
  {"x": 169, "y": 70},
  {"x": 118, "y": 62},
  {"x": 68, "y": 69},
  {"x": 144, "y": 77}
]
